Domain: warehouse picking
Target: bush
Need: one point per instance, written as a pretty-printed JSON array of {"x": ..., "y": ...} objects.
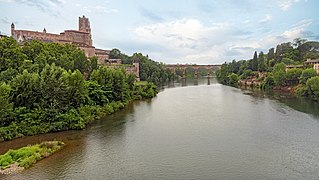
[
  {"x": 269, "y": 82},
  {"x": 307, "y": 74},
  {"x": 313, "y": 87},
  {"x": 233, "y": 79}
]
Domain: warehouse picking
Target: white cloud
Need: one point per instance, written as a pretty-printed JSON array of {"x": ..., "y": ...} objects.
[
  {"x": 286, "y": 4},
  {"x": 303, "y": 23},
  {"x": 97, "y": 9},
  {"x": 266, "y": 19},
  {"x": 188, "y": 40}
]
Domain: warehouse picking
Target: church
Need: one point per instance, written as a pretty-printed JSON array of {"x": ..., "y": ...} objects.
[{"x": 81, "y": 38}]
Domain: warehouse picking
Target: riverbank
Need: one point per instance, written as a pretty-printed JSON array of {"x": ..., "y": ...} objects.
[
  {"x": 74, "y": 119},
  {"x": 17, "y": 160}
]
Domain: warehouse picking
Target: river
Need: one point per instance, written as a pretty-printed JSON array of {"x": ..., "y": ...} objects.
[{"x": 193, "y": 130}]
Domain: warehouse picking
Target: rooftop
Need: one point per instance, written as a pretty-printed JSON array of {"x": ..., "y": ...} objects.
[{"x": 312, "y": 61}]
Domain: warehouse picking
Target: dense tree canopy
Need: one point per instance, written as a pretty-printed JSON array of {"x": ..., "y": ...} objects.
[
  {"x": 270, "y": 69},
  {"x": 52, "y": 87}
]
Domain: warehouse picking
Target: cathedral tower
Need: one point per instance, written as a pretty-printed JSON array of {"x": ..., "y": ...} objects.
[
  {"x": 84, "y": 24},
  {"x": 12, "y": 29}
]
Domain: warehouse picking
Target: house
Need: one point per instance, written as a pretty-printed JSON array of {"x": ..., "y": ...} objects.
[{"x": 314, "y": 62}]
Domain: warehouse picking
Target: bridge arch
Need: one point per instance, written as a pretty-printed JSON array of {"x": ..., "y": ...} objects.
[{"x": 182, "y": 69}]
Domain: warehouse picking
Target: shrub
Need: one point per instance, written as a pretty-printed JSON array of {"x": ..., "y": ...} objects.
[
  {"x": 307, "y": 74},
  {"x": 313, "y": 87}
]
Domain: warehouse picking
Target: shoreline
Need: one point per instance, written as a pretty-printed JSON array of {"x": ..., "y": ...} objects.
[{"x": 14, "y": 161}]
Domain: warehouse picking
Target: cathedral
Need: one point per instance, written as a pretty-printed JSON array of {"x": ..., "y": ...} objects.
[{"x": 81, "y": 38}]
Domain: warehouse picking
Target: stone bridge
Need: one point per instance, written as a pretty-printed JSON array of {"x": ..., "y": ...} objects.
[{"x": 196, "y": 67}]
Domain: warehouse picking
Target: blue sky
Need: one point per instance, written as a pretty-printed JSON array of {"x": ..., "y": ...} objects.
[{"x": 179, "y": 31}]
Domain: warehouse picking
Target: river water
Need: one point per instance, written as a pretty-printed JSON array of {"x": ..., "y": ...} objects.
[{"x": 193, "y": 130}]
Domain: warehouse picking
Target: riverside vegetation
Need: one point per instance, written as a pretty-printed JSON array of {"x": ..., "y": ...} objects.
[
  {"x": 268, "y": 71},
  {"x": 48, "y": 87},
  {"x": 15, "y": 160}
]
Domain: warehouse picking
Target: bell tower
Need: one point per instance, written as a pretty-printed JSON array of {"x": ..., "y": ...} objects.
[
  {"x": 12, "y": 29},
  {"x": 84, "y": 24}
]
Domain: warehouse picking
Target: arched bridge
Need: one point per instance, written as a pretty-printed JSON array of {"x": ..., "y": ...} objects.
[{"x": 195, "y": 67}]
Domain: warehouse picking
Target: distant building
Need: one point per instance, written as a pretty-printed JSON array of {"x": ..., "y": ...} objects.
[
  {"x": 81, "y": 38},
  {"x": 294, "y": 66},
  {"x": 314, "y": 62}
]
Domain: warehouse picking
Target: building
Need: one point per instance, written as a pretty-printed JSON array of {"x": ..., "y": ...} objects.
[
  {"x": 294, "y": 66},
  {"x": 81, "y": 38},
  {"x": 314, "y": 62}
]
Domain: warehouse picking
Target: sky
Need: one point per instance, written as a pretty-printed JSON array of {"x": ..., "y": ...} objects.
[{"x": 173, "y": 31}]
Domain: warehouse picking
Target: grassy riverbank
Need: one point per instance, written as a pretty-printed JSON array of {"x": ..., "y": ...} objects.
[{"x": 16, "y": 160}]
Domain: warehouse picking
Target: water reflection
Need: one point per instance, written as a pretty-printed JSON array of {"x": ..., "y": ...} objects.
[
  {"x": 300, "y": 104},
  {"x": 198, "y": 132},
  {"x": 190, "y": 82}
]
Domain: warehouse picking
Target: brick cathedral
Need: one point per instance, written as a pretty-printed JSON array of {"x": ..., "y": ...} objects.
[{"x": 81, "y": 38}]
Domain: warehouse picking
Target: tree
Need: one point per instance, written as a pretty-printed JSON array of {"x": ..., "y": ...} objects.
[
  {"x": 76, "y": 91},
  {"x": 271, "y": 54},
  {"x": 261, "y": 62},
  {"x": 279, "y": 74},
  {"x": 11, "y": 55},
  {"x": 292, "y": 75},
  {"x": 115, "y": 54},
  {"x": 268, "y": 82},
  {"x": 313, "y": 87},
  {"x": 93, "y": 63},
  {"x": 298, "y": 42},
  {"x": 26, "y": 90},
  {"x": 6, "y": 108},
  {"x": 96, "y": 94},
  {"x": 233, "y": 79},
  {"x": 254, "y": 62},
  {"x": 307, "y": 74},
  {"x": 53, "y": 87}
]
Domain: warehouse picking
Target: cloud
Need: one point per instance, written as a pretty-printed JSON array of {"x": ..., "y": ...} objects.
[
  {"x": 149, "y": 14},
  {"x": 189, "y": 40},
  {"x": 303, "y": 23},
  {"x": 45, "y": 6},
  {"x": 98, "y": 9},
  {"x": 286, "y": 4},
  {"x": 5, "y": 20},
  {"x": 266, "y": 19}
]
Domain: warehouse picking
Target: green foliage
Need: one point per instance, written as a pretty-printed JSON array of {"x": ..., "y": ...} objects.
[
  {"x": 115, "y": 54},
  {"x": 233, "y": 79},
  {"x": 150, "y": 70},
  {"x": 268, "y": 82},
  {"x": 26, "y": 90},
  {"x": 43, "y": 88},
  {"x": 307, "y": 74},
  {"x": 279, "y": 74},
  {"x": 6, "y": 108},
  {"x": 96, "y": 94},
  {"x": 144, "y": 90},
  {"x": 254, "y": 62},
  {"x": 313, "y": 87},
  {"x": 11, "y": 55},
  {"x": 274, "y": 63},
  {"x": 301, "y": 90},
  {"x": 26, "y": 156},
  {"x": 292, "y": 75},
  {"x": 261, "y": 62}
]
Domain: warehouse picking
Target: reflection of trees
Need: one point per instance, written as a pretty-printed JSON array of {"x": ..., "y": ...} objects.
[{"x": 297, "y": 103}]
